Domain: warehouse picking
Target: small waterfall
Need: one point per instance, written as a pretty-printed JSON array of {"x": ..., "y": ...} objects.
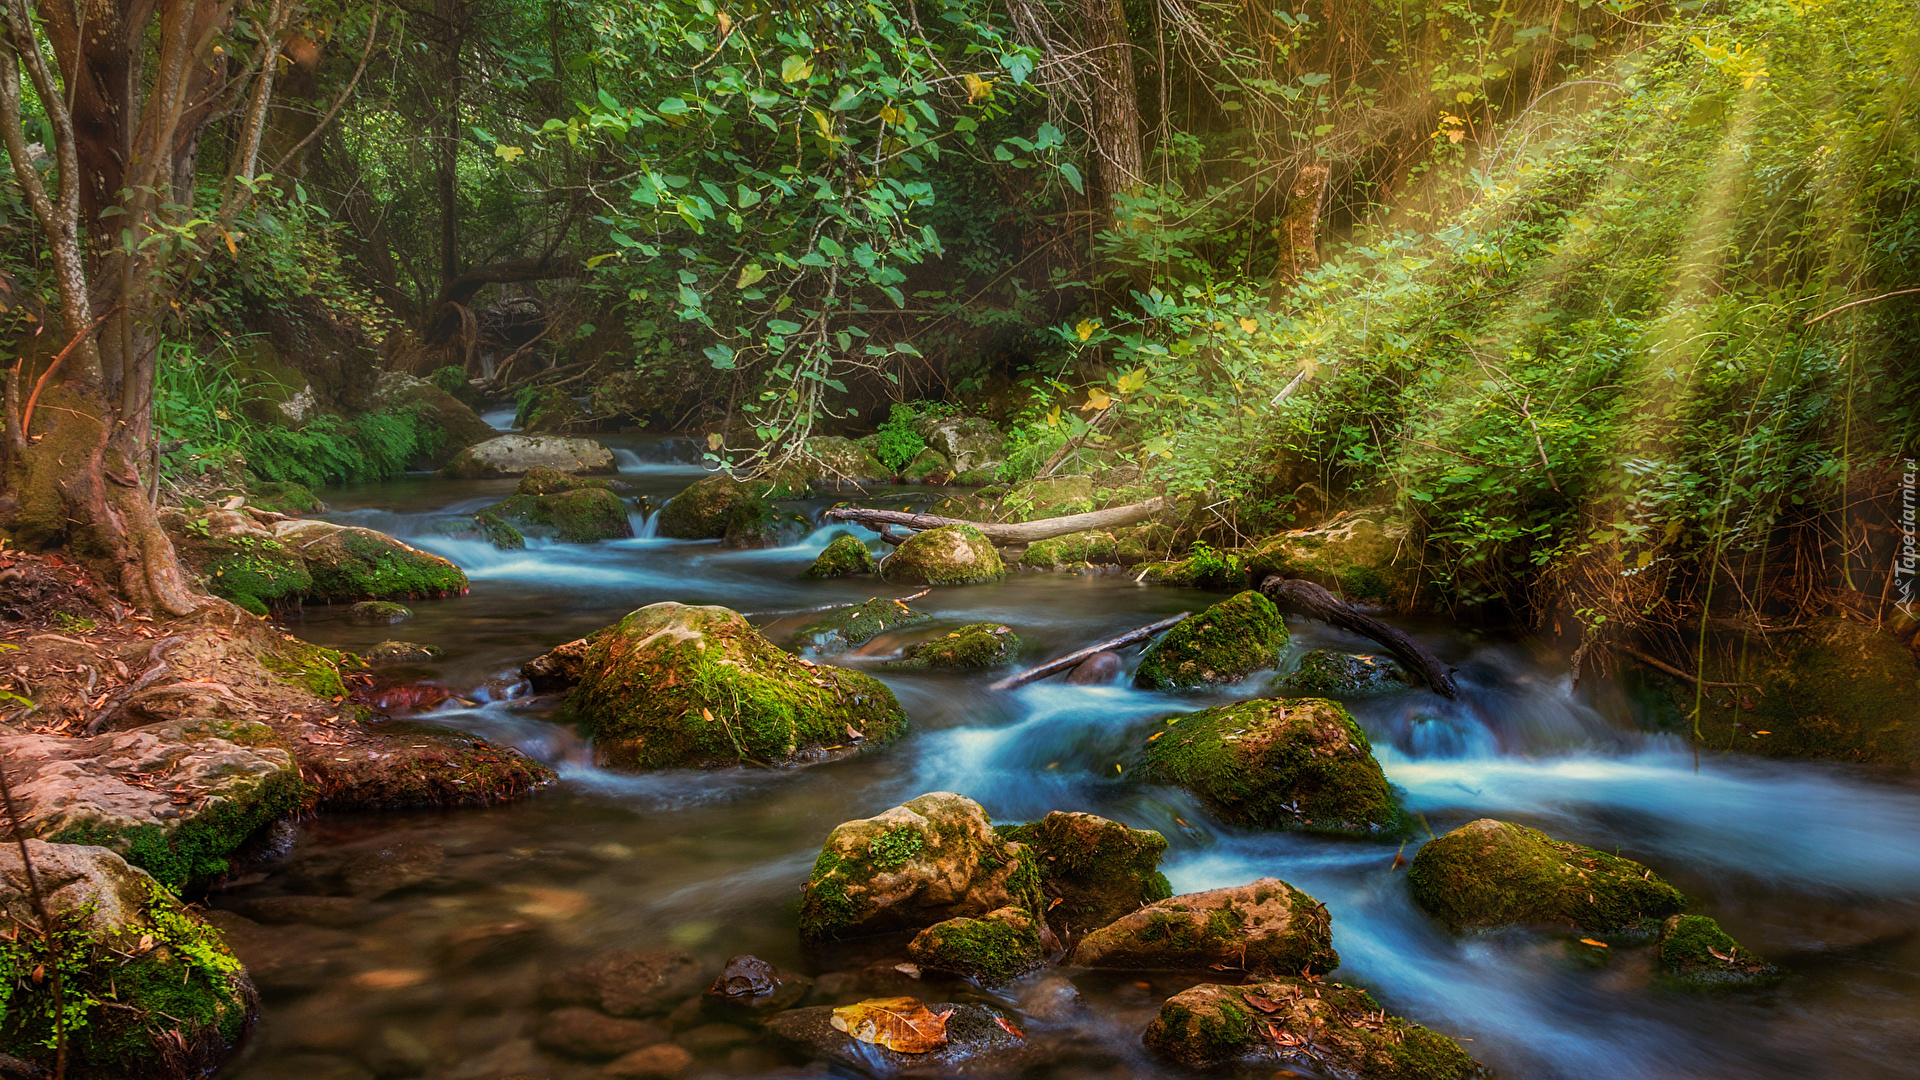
[
  {"x": 645, "y": 526},
  {"x": 627, "y": 461},
  {"x": 499, "y": 419}
]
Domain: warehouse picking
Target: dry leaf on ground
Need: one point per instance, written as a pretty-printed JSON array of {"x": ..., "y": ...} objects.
[{"x": 902, "y": 1024}]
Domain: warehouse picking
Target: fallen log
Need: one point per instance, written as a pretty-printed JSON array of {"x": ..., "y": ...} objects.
[
  {"x": 1306, "y": 598},
  {"x": 1073, "y": 658},
  {"x": 1021, "y": 532}
]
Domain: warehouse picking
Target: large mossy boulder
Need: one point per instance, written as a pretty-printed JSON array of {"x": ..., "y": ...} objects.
[
  {"x": 1053, "y": 496},
  {"x": 970, "y": 648},
  {"x": 459, "y": 425},
  {"x": 700, "y": 511},
  {"x": 352, "y": 564},
  {"x": 843, "y": 628},
  {"x": 845, "y": 557},
  {"x": 239, "y": 558},
  {"x": 931, "y": 859},
  {"x": 1223, "y": 644},
  {"x": 1339, "y": 1030},
  {"x": 678, "y": 686},
  {"x": 1071, "y": 551},
  {"x": 1098, "y": 870},
  {"x": 513, "y": 455},
  {"x": 174, "y": 798},
  {"x": 839, "y": 462},
  {"x": 1294, "y": 763},
  {"x": 1695, "y": 952},
  {"x": 1267, "y": 927},
  {"x": 148, "y": 989},
  {"x": 1367, "y": 556},
  {"x": 993, "y": 948},
  {"x": 1840, "y": 689},
  {"x": 1488, "y": 874},
  {"x": 579, "y": 515},
  {"x": 969, "y": 443},
  {"x": 952, "y": 555},
  {"x": 1335, "y": 674}
]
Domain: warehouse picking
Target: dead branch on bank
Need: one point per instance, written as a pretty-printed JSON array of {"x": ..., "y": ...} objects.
[{"x": 1023, "y": 532}]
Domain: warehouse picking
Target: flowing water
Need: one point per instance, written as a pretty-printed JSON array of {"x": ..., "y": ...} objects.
[{"x": 1815, "y": 866}]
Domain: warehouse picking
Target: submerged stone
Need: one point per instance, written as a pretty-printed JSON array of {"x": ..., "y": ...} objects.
[
  {"x": 981, "y": 645},
  {"x": 951, "y": 555},
  {"x": 845, "y": 557},
  {"x": 1267, "y": 927},
  {"x": 1487, "y": 874},
  {"x": 1338, "y": 1030},
  {"x": 679, "y": 686},
  {"x": 1329, "y": 673},
  {"x": 1223, "y": 644},
  {"x": 378, "y": 613},
  {"x": 148, "y": 989},
  {"x": 1097, "y": 870},
  {"x": 1096, "y": 670},
  {"x": 1297, "y": 763},
  {"x": 843, "y": 628},
  {"x": 628, "y": 982},
  {"x": 932, "y": 859},
  {"x": 993, "y": 948},
  {"x": 1695, "y": 952}
]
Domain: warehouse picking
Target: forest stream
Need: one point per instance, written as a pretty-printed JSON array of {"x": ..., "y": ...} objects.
[{"x": 1812, "y": 865}]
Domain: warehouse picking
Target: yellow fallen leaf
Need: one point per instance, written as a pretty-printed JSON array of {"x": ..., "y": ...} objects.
[
  {"x": 901, "y": 1024},
  {"x": 1763, "y": 733},
  {"x": 707, "y": 716},
  {"x": 1595, "y": 944},
  {"x": 1096, "y": 399}
]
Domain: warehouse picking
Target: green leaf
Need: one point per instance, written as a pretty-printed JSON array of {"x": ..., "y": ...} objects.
[
  {"x": 1068, "y": 170},
  {"x": 796, "y": 69}
]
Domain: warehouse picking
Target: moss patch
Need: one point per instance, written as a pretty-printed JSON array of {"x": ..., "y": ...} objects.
[
  {"x": 1298, "y": 763},
  {"x": 360, "y": 564},
  {"x": 953, "y": 555},
  {"x": 1364, "y": 555},
  {"x": 675, "y": 686},
  {"x": 313, "y": 667},
  {"x": 163, "y": 997},
  {"x": 1695, "y": 952},
  {"x": 993, "y": 948},
  {"x": 843, "y": 628},
  {"x": 981, "y": 645},
  {"x": 1489, "y": 873},
  {"x": 700, "y": 511},
  {"x": 1223, "y": 644},
  {"x": 577, "y": 515},
  {"x": 1266, "y": 926},
  {"x": 1328, "y": 673},
  {"x": 1098, "y": 870},
  {"x": 1340, "y": 1030},
  {"x": 1071, "y": 550},
  {"x": 844, "y": 557}
]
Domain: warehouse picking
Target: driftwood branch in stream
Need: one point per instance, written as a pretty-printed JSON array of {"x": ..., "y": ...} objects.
[
  {"x": 1074, "y": 658},
  {"x": 1306, "y": 598},
  {"x": 1021, "y": 532}
]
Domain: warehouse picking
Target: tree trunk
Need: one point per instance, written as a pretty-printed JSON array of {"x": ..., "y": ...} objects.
[
  {"x": 1306, "y": 598},
  {"x": 453, "y": 23},
  {"x": 1116, "y": 104},
  {"x": 1299, "y": 251}
]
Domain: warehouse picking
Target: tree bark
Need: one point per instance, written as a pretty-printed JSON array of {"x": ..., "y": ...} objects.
[
  {"x": 452, "y": 15},
  {"x": 1299, "y": 250},
  {"x": 1116, "y": 103},
  {"x": 1306, "y": 598},
  {"x": 1024, "y": 532}
]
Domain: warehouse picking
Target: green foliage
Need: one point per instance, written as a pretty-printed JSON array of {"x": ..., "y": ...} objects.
[
  {"x": 899, "y": 443},
  {"x": 204, "y": 404}
]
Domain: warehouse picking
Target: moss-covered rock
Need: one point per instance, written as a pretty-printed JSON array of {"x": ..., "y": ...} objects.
[
  {"x": 754, "y": 524},
  {"x": 547, "y": 411},
  {"x": 1203, "y": 568},
  {"x": 994, "y": 948},
  {"x": 981, "y": 645},
  {"x": 513, "y": 455},
  {"x": 837, "y": 462},
  {"x": 1841, "y": 690},
  {"x": 1339, "y": 1030},
  {"x": 1070, "y": 551},
  {"x": 232, "y": 777},
  {"x": 574, "y": 515},
  {"x": 700, "y": 511},
  {"x": 239, "y": 558},
  {"x": 1299, "y": 763},
  {"x": 845, "y": 557},
  {"x": 402, "y": 652},
  {"x": 378, "y": 613},
  {"x": 1330, "y": 673},
  {"x": 1223, "y": 644},
  {"x": 459, "y": 426},
  {"x": 677, "y": 686},
  {"x": 932, "y": 859},
  {"x": 543, "y": 480},
  {"x": 843, "y": 628},
  {"x": 1144, "y": 543},
  {"x": 352, "y": 564},
  {"x": 968, "y": 442},
  {"x": 149, "y": 990},
  {"x": 1695, "y": 952},
  {"x": 1054, "y": 496},
  {"x": 1367, "y": 556},
  {"x": 1098, "y": 870},
  {"x": 1267, "y": 927},
  {"x": 1488, "y": 874},
  {"x": 929, "y": 466},
  {"x": 953, "y": 555},
  {"x": 284, "y": 497}
]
